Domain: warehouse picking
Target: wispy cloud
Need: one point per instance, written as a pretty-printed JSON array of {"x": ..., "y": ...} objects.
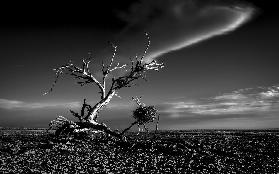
[
  {"x": 21, "y": 105},
  {"x": 191, "y": 22},
  {"x": 243, "y": 101}
]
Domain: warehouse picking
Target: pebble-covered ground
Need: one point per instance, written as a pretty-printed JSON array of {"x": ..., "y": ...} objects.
[{"x": 164, "y": 152}]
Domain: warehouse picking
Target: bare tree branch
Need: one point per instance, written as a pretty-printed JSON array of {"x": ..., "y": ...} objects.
[
  {"x": 138, "y": 70},
  {"x": 83, "y": 74},
  {"x": 106, "y": 70},
  {"x": 89, "y": 114},
  {"x": 75, "y": 114},
  {"x": 147, "y": 46},
  {"x": 137, "y": 100}
]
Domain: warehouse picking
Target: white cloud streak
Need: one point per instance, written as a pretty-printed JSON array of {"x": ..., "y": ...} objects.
[
  {"x": 239, "y": 16},
  {"x": 243, "y": 101},
  {"x": 176, "y": 24},
  {"x": 21, "y": 105}
]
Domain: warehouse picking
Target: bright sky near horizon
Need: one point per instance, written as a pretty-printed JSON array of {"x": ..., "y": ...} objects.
[{"x": 220, "y": 59}]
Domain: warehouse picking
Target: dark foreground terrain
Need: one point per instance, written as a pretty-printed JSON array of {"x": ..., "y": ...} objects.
[{"x": 223, "y": 151}]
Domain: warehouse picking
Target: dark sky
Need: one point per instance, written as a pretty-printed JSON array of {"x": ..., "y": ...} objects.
[{"x": 220, "y": 59}]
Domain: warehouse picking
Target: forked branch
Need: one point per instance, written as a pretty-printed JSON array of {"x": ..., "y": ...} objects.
[
  {"x": 83, "y": 74},
  {"x": 88, "y": 114}
]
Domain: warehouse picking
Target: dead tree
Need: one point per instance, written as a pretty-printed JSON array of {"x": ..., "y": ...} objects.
[{"x": 88, "y": 116}]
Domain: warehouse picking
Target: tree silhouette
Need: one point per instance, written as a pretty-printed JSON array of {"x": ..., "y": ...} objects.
[
  {"x": 143, "y": 114},
  {"x": 88, "y": 116}
]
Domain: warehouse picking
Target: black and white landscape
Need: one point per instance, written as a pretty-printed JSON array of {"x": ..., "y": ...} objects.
[{"x": 139, "y": 86}]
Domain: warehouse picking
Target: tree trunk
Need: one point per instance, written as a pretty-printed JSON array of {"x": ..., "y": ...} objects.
[
  {"x": 100, "y": 127},
  {"x": 92, "y": 118}
]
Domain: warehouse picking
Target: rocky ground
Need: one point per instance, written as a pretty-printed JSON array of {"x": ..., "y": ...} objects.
[{"x": 27, "y": 151}]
